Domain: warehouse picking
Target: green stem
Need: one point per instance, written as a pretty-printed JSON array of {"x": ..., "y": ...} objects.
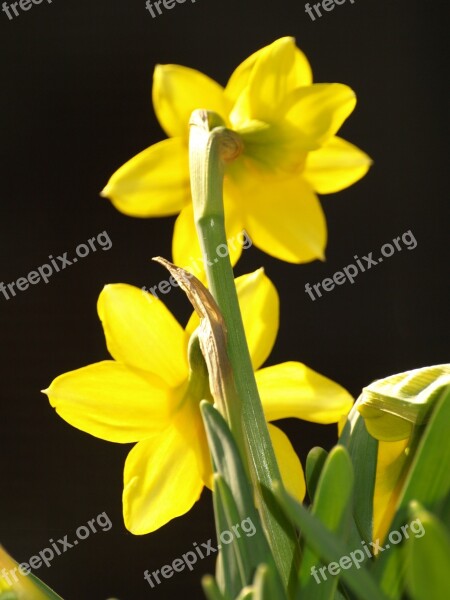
[{"x": 211, "y": 148}]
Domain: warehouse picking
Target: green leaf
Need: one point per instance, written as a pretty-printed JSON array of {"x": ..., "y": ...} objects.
[
  {"x": 428, "y": 482},
  {"x": 332, "y": 505},
  {"x": 238, "y": 551},
  {"x": 228, "y": 575},
  {"x": 21, "y": 587},
  {"x": 363, "y": 449},
  {"x": 314, "y": 463},
  {"x": 427, "y": 557},
  {"x": 329, "y": 547},
  {"x": 247, "y": 593},
  {"x": 211, "y": 589},
  {"x": 233, "y": 507},
  {"x": 267, "y": 584},
  {"x": 49, "y": 593}
]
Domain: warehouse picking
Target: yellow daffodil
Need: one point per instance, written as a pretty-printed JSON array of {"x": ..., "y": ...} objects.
[
  {"x": 287, "y": 125},
  {"x": 149, "y": 395}
]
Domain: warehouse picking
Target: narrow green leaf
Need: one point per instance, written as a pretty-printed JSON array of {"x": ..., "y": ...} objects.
[
  {"x": 314, "y": 463},
  {"x": 49, "y": 593},
  {"x": 330, "y": 548},
  {"x": 267, "y": 584},
  {"x": 235, "y": 546},
  {"x": 332, "y": 505},
  {"x": 428, "y": 482},
  {"x": 21, "y": 587},
  {"x": 247, "y": 593},
  {"x": 429, "y": 477},
  {"x": 227, "y": 462},
  {"x": 211, "y": 589},
  {"x": 234, "y": 507},
  {"x": 228, "y": 575},
  {"x": 443, "y": 511},
  {"x": 363, "y": 449},
  {"x": 427, "y": 557}
]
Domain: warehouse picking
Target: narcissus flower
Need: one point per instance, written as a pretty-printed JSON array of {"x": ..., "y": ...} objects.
[
  {"x": 287, "y": 125},
  {"x": 149, "y": 395}
]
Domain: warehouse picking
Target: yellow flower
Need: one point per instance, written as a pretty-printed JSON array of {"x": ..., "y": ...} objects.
[
  {"x": 288, "y": 128},
  {"x": 149, "y": 395}
]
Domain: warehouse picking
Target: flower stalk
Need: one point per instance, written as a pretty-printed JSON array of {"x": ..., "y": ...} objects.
[{"x": 211, "y": 147}]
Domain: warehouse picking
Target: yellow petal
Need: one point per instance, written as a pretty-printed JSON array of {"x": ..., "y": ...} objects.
[
  {"x": 155, "y": 183},
  {"x": 111, "y": 401},
  {"x": 186, "y": 248},
  {"x": 391, "y": 463},
  {"x": 291, "y": 389},
  {"x": 178, "y": 91},
  {"x": 260, "y": 307},
  {"x": 265, "y": 80},
  {"x": 290, "y": 466},
  {"x": 298, "y": 75},
  {"x": 142, "y": 333},
  {"x": 161, "y": 481},
  {"x": 316, "y": 113},
  {"x": 335, "y": 166},
  {"x": 283, "y": 217}
]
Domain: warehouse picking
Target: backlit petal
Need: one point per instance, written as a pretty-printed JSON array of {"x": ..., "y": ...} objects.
[
  {"x": 260, "y": 307},
  {"x": 155, "y": 183},
  {"x": 391, "y": 467},
  {"x": 161, "y": 481},
  {"x": 142, "y": 333},
  {"x": 316, "y": 113},
  {"x": 291, "y": 389},
  {"x": 111, "y": 401},
  {"x": 335, "y": 166},
  {"x": 186, "y": 248},
  {"x": 178, "y": 91},
  {"x": 290, "y": 466},
  {"x": 283, "y": 217},
  {"x": 299, "y": 74},
  {"x": 260, "y": 85},
  {"x": 297, "y": 71}
]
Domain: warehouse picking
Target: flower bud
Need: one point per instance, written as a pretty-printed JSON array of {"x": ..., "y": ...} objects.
[{"x": 391, "y": 407}]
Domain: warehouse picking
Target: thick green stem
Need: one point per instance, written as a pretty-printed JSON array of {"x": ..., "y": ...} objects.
[{"x": 210, "y": 149}]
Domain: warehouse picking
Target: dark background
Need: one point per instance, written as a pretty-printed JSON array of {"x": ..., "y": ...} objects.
[{"x": 76, "y": 104}]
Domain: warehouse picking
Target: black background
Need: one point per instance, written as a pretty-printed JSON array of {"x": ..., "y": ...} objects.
[{"x": 76, "y": 104}]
